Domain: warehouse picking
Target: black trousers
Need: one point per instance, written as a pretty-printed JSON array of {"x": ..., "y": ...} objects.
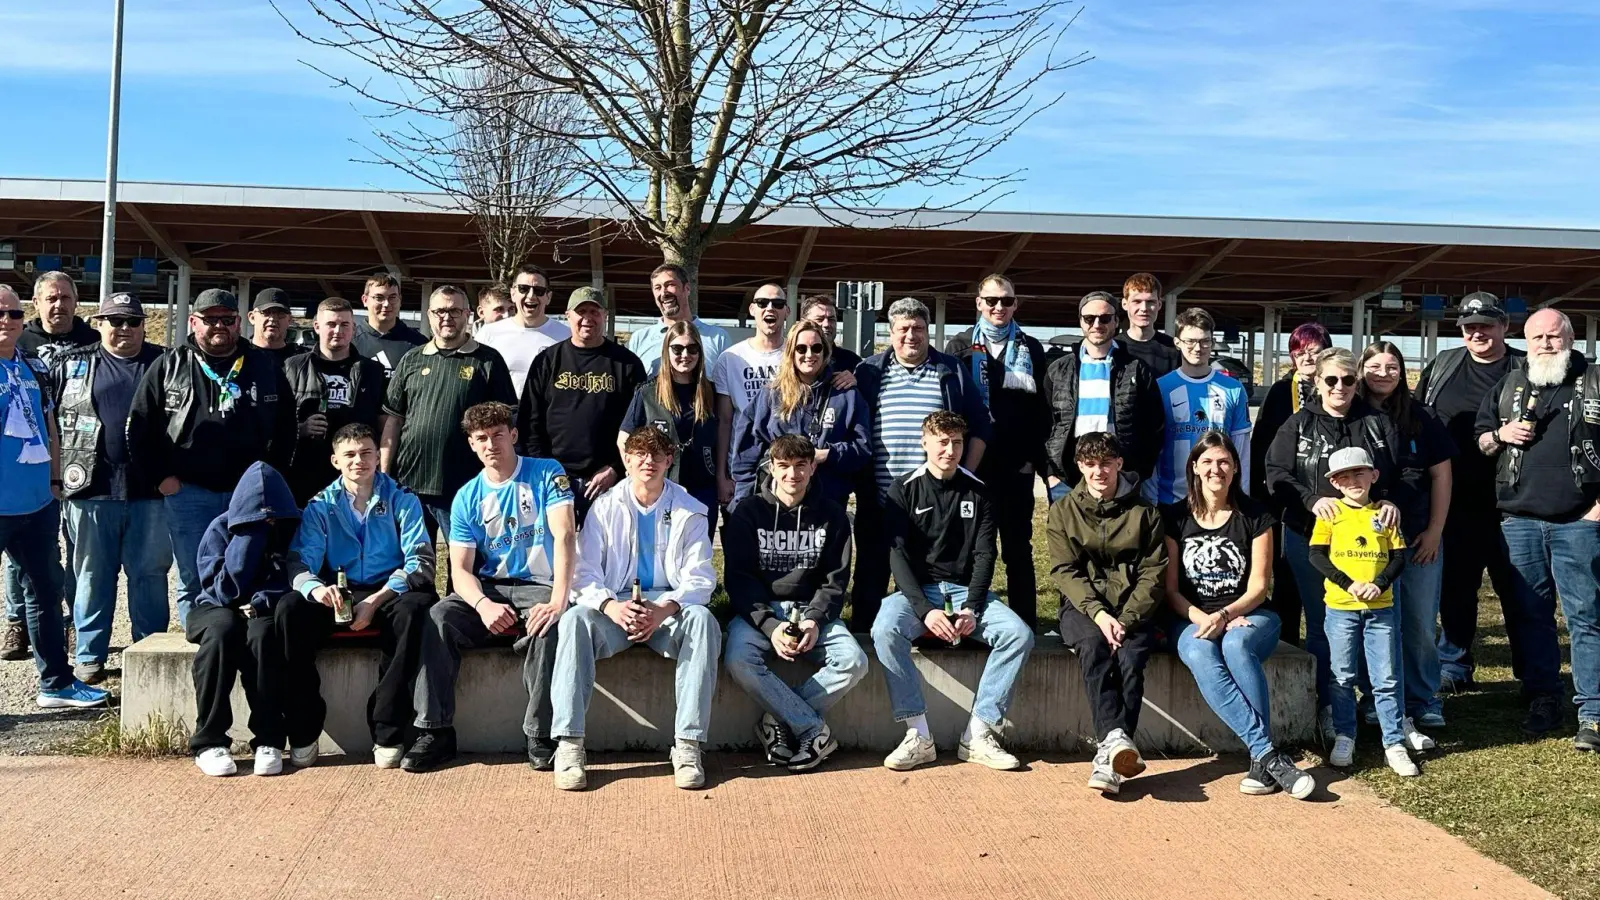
[
  {"x": 1113, "y": 679},
  {"x": 1472, "y": 543},
  {"x": 1011, "y": 494},
  {"x": 275, "y": 657},
  {"x": 1285, "y": 597},
  {"x": 872, "y": 561},
  {"x": 453, "y": 626},
  {"x": 401, "y": 622}
]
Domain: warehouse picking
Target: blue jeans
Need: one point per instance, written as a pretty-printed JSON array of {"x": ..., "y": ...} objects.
[
  {"x": 1054, "y": 492},
  {"x": 17, "y": 589},
  {"x": 1230, "y": 676},
  {"x": 1009, "y": 639},
  {"x": 31, "y": 541},
  {"x": 1354, "y": 635},
  {"x": 1416, "y": 596},
  {"x": 692, "y": 637},
  {"x": 1297, "y": 551},
  {"x": 843, "y": 664},
  {"x": 110, "y": 536},
  {"x": 1557, "y": 560},
  {"x": 189, "y": 514}
]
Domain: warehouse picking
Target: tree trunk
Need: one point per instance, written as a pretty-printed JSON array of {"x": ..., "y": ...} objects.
[{"x": 686, "y": 251}]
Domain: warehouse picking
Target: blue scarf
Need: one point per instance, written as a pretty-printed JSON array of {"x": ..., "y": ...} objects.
[{"x": 1018, "y": 361}]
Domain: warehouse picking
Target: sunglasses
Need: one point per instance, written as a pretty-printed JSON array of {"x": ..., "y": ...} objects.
[
  {"x": 534, "y": 289},
  {"x": 1333, "y": 381},
  {"x": 218, "y": 321},
  {"x": 123, "y": 321},
  {"x": 1002, "y": 300},
  {"x": 684, "y": 349},
  {"x": 810, "y": 349},
  {"x": 1102, "y": 319},
  {"x": 14, "y": 315},
  {"x": 770, "y": 302}
]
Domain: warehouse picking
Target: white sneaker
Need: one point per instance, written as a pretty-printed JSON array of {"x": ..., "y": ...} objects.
[
  {"x": 1325, "y": 726},
  {"x": 303, "y": 757},
  {"x": 914, "y": 750},
  {"x": 1415, "y": 739},
  {"x": 1102, "y": 777},
  {"x": 688, "y": 765},
  {"x": 216, "y": 762},
  {"x": 1124, "y": 756},
  {"x": 1344, "y": 751},
  {"x": 1400, "y": 761},
  {"x": 269, "y": 760},
  {"x": 571, "y": 765},
  {"x": 985, "y": 750},
  {"x": 387, "y": 757}
]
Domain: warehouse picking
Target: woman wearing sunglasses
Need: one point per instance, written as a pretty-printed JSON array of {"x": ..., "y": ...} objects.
[
  {"x": 803, "y": 399},
  {"x": 1297, "y": 480},
  {"x": 680, "y": 401}
]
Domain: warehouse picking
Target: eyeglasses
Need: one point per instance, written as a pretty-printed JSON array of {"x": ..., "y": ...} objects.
[
  {"x": 1197, "y": 343},
  {"x": 1333, "y": 381},
  {"x": 810, "y": 349},
  {"x": 450, "y": 313},
  {"x": 123, "y": 321},
  {"x": 1102, "y": 319},
  {"x": 1311, "y": 350},
  {"x": 14, "y": 315},
  {"x": 770, "y": 302},
  {"x": 684, "y": 349},
  {"x": 218, "y": 321},
  {"x": 535, "y": 289},
  {"x": 1004, "y": 300}
]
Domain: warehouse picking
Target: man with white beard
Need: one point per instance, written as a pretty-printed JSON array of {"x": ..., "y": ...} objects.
[{"x": 1543, "y": 424}]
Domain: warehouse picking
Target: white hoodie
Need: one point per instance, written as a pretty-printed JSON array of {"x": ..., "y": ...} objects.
[{"x": 607, "y": 556}]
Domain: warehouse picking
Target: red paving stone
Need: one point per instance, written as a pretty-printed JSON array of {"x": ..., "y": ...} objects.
[{"x": 492, "y": 828}]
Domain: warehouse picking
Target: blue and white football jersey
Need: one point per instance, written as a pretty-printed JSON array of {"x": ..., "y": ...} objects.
[
  {"x": 507, "y": 523},
  {"x": 1193, "y": 407}
]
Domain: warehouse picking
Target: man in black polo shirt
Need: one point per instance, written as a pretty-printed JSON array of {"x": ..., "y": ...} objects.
[
  {"x": 381, "y": 336},
  {"x": 430, "y": 388},
  {"x": 577, "y": 395},
  {"x": 333, "y": 387}
]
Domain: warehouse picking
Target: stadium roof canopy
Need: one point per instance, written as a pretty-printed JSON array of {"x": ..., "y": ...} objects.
[{"x": 315, "y": 242}]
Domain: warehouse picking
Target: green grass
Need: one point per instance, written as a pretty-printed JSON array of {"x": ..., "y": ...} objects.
[{"x": 158, "y": 739}]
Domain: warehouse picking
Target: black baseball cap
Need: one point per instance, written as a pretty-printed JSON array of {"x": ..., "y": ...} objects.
[
  {"x": 1481, "y": 308},
  {"x": 214, "y": 298},
  {"x": 271, "y": 298},
  {"x": 120, "y": 305}
]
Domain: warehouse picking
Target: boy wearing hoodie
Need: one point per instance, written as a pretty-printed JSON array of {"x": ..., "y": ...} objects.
[
  {"x": 644, "y": 577},
  {"x": 370, "y": 530},
  {"x": 248, "y": 620},
  {"x": 1108, "y": 556},
  {"x": 786, "y": 558}
]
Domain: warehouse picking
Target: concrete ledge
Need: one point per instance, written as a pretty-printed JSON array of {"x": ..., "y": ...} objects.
[{"x": 633, "y": 704}]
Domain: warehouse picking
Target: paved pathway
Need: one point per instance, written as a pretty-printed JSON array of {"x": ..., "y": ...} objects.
[{"x": 491, "y": 828}]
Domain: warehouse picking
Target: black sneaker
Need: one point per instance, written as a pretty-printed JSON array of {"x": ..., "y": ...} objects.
[
  {"x": 1544, "y": 715},
  {"x": 431, "y": 750},
  {"x": 1256, "y": 782},
  {"x": 541, "y": 754},
  {"x": 1296, "y": 782},
  {"x": 1588, "y": 739},
  {"x": 1449, "y": 684},
  {"x": 813, "y": 751},
  {"x": 777, "y": 739}
]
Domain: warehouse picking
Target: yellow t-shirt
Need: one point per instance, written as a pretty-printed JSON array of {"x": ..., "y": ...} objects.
[{"x": 1359, "y": 547}]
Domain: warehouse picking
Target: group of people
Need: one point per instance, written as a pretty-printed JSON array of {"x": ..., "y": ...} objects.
[{"x": 578, "y": 483}]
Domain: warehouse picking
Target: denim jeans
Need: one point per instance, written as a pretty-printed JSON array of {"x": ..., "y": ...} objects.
[
  {"x": 1054, "y": 492},
  {"x": 189, "y": 514},
  {"x": 1354, "y": 635},
  {"x": 1416, "y": 596},
  {"x": 18, "y": 588},
  {"x": 692, "y": 637},
  {"x": 1553, "y": 560},
  {"x": 31, "y": 541},
  {"x": 1009, "y": 640},
  {"x": 1230, "y": 676},
  {"x": 108, "y": 537},
  {"x": 1309, "y": 582},
  {"x": 843, "y": 664}
]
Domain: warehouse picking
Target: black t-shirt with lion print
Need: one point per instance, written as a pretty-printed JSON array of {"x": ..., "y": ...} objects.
[{"x": 1214, "y": 564}]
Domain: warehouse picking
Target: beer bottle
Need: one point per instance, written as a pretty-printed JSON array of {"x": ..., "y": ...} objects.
[
  {"x": 342, "y": 613},
  {"x": 792, "y": 629},
  {"x": 638, "y": 596},
  {"x": 950, "y": 613}
]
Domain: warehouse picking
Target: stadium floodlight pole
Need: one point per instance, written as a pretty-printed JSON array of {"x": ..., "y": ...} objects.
[{"x": 108, "y": 234}]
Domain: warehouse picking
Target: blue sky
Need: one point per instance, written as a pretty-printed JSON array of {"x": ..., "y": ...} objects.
[{"x": 1478, "y": 111}]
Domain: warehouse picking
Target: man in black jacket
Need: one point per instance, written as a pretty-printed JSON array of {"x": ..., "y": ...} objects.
[
  {"x": 1141, "y": 300},
  {"x": 332, "y": 386},
  {"x": 113, "y": 513},
  {"x": 269, "y": 325},
  {"x": 1100, "y": 387},
  {"x": 1008, "y": 371},
  {"x": 203, "y": 413},
  {"x": 787, "y": 561},
  {"x": 941, "y": 528},
  {"x": 381, "y": 336},
  {"x": 1454, "y": 384}
]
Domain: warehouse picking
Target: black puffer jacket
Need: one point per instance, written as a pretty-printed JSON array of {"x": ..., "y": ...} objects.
[
  {"x": 1297, "y": 461},
  {"x": 1136, "y": 414}
]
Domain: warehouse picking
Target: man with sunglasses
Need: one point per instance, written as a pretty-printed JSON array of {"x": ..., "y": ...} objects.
[
  {"x": 423, "y": 446},
  {"x": 744, "y": 370},
  {"x": 523, "y": 336},
  {"x": 669, "y": 285},
  {"x": 577, "y": 395},
  {"x": 381, "y": 336},
  {"x": 204, "y": 412},
  {"x": 1141, "y": 300},
  {"x": 1008, "y": 369},
  {"x": 113, "y": 512},
  {"x": 1100, "y": 387}
]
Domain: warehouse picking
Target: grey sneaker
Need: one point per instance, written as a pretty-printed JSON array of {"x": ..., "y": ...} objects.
[
  {"x": 688, "y": 765},
  {"x": 1102, "y": 777},
  {"x": 914, "y": 750},
  {"x": 1125, "y": 758},
  {"x": 1415, "y": 739},
  {"x": 304, "y": 757},
  {"x": 571, "y": 766},
  {"x": 1295, "y": 782},
  {"x": 1256, "y": 782},
  {"x": 14, "y": 641},
  {"x": 1431, "y": 720},
  {"x": 1588, "y": 739},
  {"x": 810, "y": 752},
  {"x": 777, "y": 739},
  {"x": 1344, "y": 751}
]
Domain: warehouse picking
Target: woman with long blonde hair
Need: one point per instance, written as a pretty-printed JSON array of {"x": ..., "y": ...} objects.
[{"x": 679, "y": 400}]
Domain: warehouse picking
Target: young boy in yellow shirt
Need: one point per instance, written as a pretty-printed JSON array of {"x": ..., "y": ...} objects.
[{"x": 1360, "y": 558}]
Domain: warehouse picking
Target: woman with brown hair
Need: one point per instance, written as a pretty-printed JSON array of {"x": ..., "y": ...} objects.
[{"x": 679, "y": 401}]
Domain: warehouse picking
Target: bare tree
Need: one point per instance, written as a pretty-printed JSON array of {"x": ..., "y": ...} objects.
[{"x": 698, "y": 117}]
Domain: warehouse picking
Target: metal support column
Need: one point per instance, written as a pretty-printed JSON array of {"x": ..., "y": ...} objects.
[
  {"x": 172, "y": 308},
  {"x": 108, "y": 231},
  {"x": 427, "y": 318},
  {"x": 1170, "y": 302},
  {"x": 611, "y": 310},
  {"x": 1430, "y": 341},
  {"x": 1269, "y": 346},
  {"x": 242, "y": 291},
  {"x": 940, "y": 304},
  {"x": 1358, "y": 326},
  {"x": 184, "y": 273},
  {"x": 1591, "y": 327},
  {"x": 1249, "y": 349}
]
